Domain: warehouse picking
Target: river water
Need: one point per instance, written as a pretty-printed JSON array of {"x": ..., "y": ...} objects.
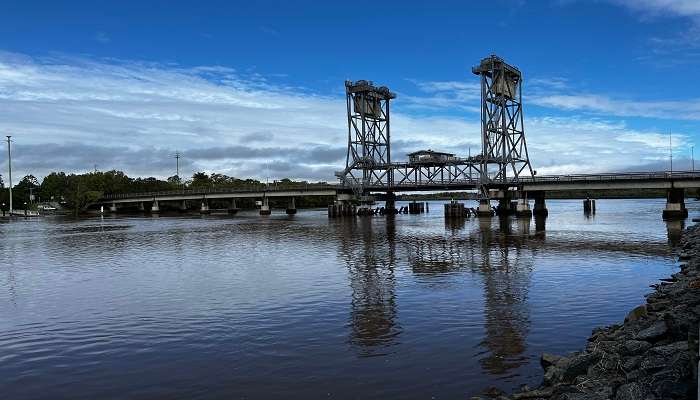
[{"x": 311, "y": 307}]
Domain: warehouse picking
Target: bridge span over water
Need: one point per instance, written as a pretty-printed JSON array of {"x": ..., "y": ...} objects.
[{"x": 501, "y": 171}]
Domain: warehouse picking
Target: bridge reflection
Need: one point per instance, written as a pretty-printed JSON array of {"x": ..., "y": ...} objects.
[
  {"x": 368, "y": 248},
  {"x": 499, "y": 252}
]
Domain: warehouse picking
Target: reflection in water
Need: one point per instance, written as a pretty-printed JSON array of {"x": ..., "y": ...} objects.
[
  {"x": 371, "y": 272},
  {"x": 495, "y": 253},
  {"x": 506, "y": 284},
  {"x": 675, "y": 230}
]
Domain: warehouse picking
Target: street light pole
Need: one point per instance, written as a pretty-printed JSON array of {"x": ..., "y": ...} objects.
[{"x": 9, "y": 167}]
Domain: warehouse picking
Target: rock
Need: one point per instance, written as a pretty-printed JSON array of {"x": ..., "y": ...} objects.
[
  {"x": 652, "y": 333},
  {"x": 547, "y": 360},
  {"x": 578, "y": 365},
  {"x": 631, "y": 391},
  {"x": 658, "y": 305},
  {"x": 637, "y": 313},
  {"x": 533, "y": 394},
  {"x": 580, "y": 396},
  {"x": 630, "y": 363},
  {"x": 653, "y": 363},
  {"x": 634, "y": 347},
  {"x": 670, "y": 349}
]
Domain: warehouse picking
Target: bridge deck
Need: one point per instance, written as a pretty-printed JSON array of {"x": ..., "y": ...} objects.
[{"x": 613, "y": 181}]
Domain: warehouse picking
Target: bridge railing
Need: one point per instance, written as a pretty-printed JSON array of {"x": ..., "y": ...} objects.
[
  {"x": 613, "y": 177},
  {"x": 272, "y": 187}
]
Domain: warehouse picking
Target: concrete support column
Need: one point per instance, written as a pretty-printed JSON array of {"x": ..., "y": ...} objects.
[
  {"x": 675, "y": 205},
  {"x": 484, "y": 209},
  {"x": 233, "y": 209},
  {"x": 205, "y": 207},
  {"x": 540, "y": 205},
  {"x": 183, "y": 206},
  {"x": 141, "y": 207},
  {"x": 291, "y": 207},
  {"x": 154, "y": 207},
  {"x": 113, "y": 207},
  {"x": 265, "y": 207},
  {"x": 522, "y": 209}
]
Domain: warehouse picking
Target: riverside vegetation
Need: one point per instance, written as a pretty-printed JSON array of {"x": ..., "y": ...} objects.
[
  {"x": 652, "y": 355},
  {"x": 77, "y": 192}
]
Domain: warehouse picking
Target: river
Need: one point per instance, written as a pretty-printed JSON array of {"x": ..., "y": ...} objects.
[{"x": 305, "y": 306}]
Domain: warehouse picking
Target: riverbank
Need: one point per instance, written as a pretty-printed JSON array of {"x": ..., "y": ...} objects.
[{"x": 651, "y": 355}]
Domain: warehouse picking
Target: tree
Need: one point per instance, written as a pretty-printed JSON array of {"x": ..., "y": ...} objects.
[{"x": 200, "y": 179}]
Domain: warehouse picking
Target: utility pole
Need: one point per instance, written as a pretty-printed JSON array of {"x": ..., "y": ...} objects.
[
  {"x": 692, "y": 157},
  {"x": 670, "y": 148},
  {"x": 177, "y": 165},
  {"x": 9, "y": 167}
]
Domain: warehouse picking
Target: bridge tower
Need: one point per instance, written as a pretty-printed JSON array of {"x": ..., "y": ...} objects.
[
  {"x": 502, "y": 132},
  {"x": 369, "y": 141}
]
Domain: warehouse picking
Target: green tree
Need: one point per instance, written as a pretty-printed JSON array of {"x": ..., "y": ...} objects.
[{"x": 200, "y": 179}]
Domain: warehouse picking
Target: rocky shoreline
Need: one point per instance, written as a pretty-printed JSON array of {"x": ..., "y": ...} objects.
[{"x": 652, "y": 355}]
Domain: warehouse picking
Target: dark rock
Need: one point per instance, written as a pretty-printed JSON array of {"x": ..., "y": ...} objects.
[
  {"x": 653, "y": 363},
  {"x": 637, "y": 313},
  {"x": 631, "y": 391},
  {"x": 670, "y": 349},
  {"x": 630, "y": 363},
  {"x": 578, "y": 365},
  {"x": 652, "y": 333},
  {"x": 658, "y": 305},
  {"x": 634, "y": 347},
  {"x": 548, "y": 360}
]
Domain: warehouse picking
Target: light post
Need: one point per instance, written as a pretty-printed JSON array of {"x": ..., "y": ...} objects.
[
  {"x": 9, "y": 167},
  {"x": 692, "y": 157}
]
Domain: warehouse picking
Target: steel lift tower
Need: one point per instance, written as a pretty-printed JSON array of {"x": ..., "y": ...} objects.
[
  {"x": 504, "y": 151},
  {"x": 369, "y": 142}
]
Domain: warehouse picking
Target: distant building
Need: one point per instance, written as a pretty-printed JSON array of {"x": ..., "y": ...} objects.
[{"x": 430, "y": 156}]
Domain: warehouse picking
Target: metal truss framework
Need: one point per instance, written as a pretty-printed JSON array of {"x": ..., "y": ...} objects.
[
  {"x": 368, "y": 164},
  {"x": 369, "y": 139},
  {"x": 502, "y": 129}
]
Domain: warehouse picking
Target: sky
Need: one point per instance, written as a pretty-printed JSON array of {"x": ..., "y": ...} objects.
[{"x": 256, "y": 88}]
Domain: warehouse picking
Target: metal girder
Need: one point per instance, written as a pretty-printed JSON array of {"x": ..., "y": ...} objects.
[{"x": 502, "y": 129}]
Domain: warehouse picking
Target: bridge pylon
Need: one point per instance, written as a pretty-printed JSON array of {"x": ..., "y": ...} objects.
[
  {"x": 369, "y": 142},
  {"x": 502, "y": 130}
]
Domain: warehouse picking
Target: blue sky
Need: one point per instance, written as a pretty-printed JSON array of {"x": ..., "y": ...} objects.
[{"x": 256, "y": 88}]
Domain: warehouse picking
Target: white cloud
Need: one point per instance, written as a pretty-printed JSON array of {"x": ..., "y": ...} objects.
[
  {"x": 71, "y": 113},
  {"x": 676, "y": 110}
]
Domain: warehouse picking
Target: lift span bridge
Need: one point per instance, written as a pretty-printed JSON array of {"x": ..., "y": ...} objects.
[{"x": 501, "y": 170}]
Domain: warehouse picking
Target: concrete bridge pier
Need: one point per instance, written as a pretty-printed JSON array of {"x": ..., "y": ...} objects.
[
  {"x": 540, "y": 205},
  {"x": 484, "y": 209},
  {"x": 505, "y": 204},
  {"x": 154, "y": 208},
  {"x": 232, "y": 208},
  {"x": 183, "y": 206},
  {"x": 675, "y": 205},
  {"x": 113, "y": 207},
  {"x": 205, "y": 207},
  {"x": 265, "y": 207},
  {"x": 522, "y": 209},
  {"x": 291, "y": 207},
  {"x": 142, "y": 207}
]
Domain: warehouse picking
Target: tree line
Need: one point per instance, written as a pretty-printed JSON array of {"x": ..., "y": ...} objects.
[{"x": 78, "y": 191}]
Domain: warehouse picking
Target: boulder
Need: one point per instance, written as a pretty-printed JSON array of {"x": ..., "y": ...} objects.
[
  {"x": 578, "y": 365},
  {"x": 634, "y": 347},
  {"x": 548, "y": 360},
  {"x": 631, "y": 391},
  {"x": 637, "y": 313},
  {"x": 652, "y": 333}
]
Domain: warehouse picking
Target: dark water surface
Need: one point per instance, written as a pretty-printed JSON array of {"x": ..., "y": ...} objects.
[{"x": 311, "y": 307}]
